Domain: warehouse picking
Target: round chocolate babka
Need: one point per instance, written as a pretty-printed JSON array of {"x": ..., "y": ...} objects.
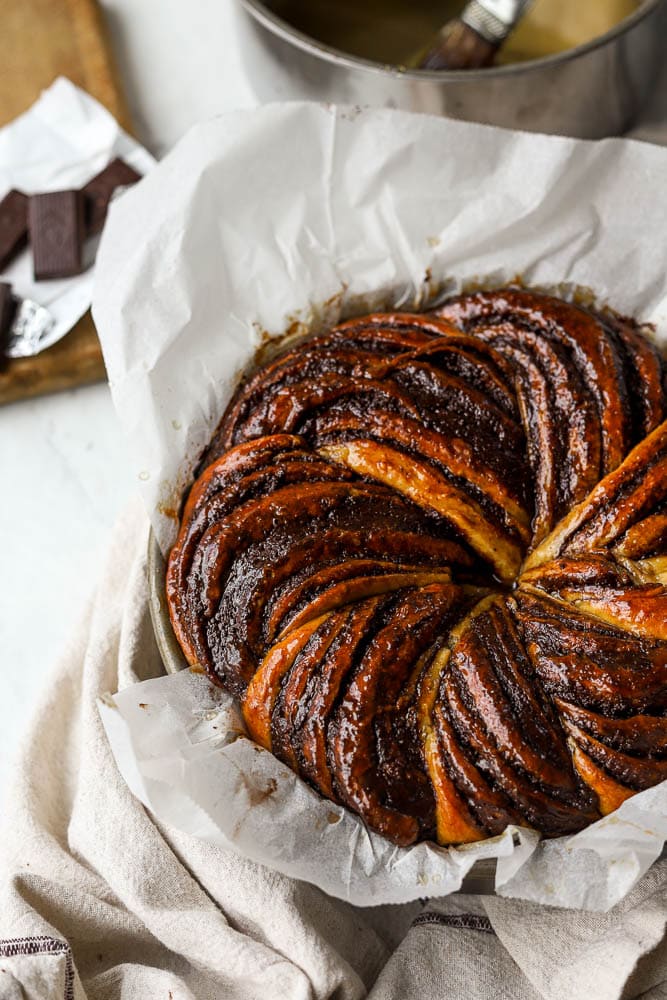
[{"x": 428, "y": 554}]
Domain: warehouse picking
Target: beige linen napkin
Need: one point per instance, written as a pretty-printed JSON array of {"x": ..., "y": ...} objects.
[
  {"x": 480, "y": 948},
  {"x": 97, "y": 901}
]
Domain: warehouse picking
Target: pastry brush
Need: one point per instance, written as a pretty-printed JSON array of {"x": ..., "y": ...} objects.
[{"x": 471, "y": 40}]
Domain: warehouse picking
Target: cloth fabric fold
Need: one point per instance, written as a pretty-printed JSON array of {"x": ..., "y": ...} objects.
[
  {"x": 98, "y": 901},
  {"x": 482, "y": 947}
]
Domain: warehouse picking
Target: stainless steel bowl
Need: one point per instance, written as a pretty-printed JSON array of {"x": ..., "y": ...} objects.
[{"x": 590, "y": 91}]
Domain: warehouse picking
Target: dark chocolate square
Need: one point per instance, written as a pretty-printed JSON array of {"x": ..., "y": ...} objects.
[
  {"x": 13, "y": 226},
  {"x": 7, "y": 309},
  {"x": 56, "y": 233},
  {"x": 99, "y": 189}
]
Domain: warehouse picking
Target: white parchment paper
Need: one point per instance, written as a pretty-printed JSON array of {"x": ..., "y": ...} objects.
[
  {"x": 63, "y": 140},
  {"x": 286, "y": 218}
]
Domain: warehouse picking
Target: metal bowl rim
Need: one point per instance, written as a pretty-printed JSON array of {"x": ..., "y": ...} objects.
[
  {"x": 258, "y": 10},
  {"x": 170, "y": 651}
]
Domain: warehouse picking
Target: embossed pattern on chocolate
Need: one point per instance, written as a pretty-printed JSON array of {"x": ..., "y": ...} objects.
[
  {"x": 56, "y": 233},
  {"x": 428, "y": 554}
]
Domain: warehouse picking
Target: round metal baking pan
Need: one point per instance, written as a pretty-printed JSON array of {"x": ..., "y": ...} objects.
[
  {"x": 590, "y": 91},
  {"x": 170, "y": 651}
]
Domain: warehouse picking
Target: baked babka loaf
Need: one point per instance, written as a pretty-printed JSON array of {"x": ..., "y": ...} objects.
[{"x": 428, "y": 554}]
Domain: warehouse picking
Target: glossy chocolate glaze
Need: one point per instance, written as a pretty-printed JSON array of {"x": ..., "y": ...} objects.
[{"x": 428, "y": 553}]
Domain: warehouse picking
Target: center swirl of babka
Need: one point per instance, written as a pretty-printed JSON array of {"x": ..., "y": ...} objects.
[{"x": 398, "y": 557}]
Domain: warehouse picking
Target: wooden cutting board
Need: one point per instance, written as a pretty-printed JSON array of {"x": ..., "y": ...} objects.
[{"x": 43, "y": 39}]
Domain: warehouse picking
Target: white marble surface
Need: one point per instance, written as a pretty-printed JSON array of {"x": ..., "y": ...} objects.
[
  {"x": 64, "y": 481},
  {"x": 62, "y": 458}
]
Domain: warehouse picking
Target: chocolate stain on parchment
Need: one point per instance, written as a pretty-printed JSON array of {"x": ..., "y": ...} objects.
[{"x": 257, "y": 795}]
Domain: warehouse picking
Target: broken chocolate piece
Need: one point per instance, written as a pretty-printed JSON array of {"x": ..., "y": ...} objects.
[
  {"x": 98, "y": 192},
  {"x": 13, "y": 226},
  {"x": 56, "y": 233},
  {"x": 7, "y": 309}
]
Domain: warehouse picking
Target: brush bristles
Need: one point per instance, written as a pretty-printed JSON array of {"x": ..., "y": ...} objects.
[{"x": 459, "y": 46}]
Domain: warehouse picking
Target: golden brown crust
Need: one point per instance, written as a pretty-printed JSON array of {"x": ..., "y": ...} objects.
[{"x": 345, "y": 560}]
